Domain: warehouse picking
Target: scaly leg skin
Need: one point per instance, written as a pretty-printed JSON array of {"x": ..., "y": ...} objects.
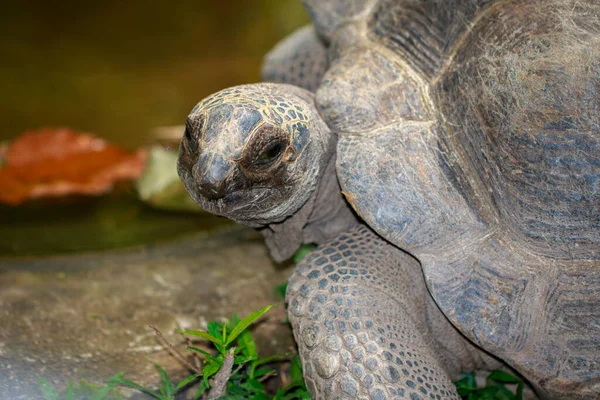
[
  {"x": 362, "y": 318},
  {"x": 300, "y": 59}
]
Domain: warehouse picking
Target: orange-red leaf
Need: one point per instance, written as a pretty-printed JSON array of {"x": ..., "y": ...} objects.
[{"x": 58, "y": 162}]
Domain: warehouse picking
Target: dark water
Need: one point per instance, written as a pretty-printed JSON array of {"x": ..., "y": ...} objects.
[
  {"x": 74, "y": 225},
  {"x": 119, "y": 69}
]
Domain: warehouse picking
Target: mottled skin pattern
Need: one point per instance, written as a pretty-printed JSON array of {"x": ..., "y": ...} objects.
[
  {"x": 279, "y": 122},
  {"x": 366, "y": 325},
  {"x": 464, "y": 133}
]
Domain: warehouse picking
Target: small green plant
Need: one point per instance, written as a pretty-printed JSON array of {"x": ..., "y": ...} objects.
[
  {"x": 166, "y": 390},
  {"x": 82, "y": 390},
  {"x": 235, "y": 371},
  {"x": 495, "y": 388},
  {"x": 239, "y": 362},
  {"x": 302, "y": 252}
]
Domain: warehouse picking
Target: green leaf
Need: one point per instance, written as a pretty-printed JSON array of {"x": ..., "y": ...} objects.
[
  {"x": 298, "y": 394},
  {"x": 246, "y": 343},
  {"x": 293, "y": 387},
  {"x": 281, "y": 289},
  {"x": 126, "y": 382},
  {"x": 262, "y": 372},
  {"x": 215, "y": 328},
  {"x": 253, "y": 386},
  {"x": 167, "y": 386},
  {"x": 260, "y": 396},
  {"x": 235, "y": 319},
  {"x": 104, "y": 391},
  {"x": 233, "y": 389},
  {"x": 244, "y": 323},
  {"x": 274, "y": 357},
  {"x": 204, "y": 335},
  {"x": 466, "y": 384},
  {"x": 296, "y": 390},
  {"x": 265, "y": 360},
  {"x": 242, "y": 360},
  {"x": 302, "y": 251},
  {"x": 70, "y": 392},
  {"x": 201, "y": 390},
  {"x": 211, "y": 368},
  {"x": 519, "y": 395},
  {"x": 187, "y": 381},
  {"x": 504, "y": 377},
  {"x": 480, "y": 395},
  {"x": 206, "y": 354},
  {"x": 497, "y": 392},
  {"x": 47, "y": 390},
  {"x": 296, "y": 369}
]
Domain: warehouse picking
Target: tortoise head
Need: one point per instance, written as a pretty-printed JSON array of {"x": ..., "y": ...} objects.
[{"x": 254, "y": 153}]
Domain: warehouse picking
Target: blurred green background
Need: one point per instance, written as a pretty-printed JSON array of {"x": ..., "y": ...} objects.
[{"x": 121, "y": 68}]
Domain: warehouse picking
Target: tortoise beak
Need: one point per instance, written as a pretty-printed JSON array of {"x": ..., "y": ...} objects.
[{"x": 211, "y": 175}]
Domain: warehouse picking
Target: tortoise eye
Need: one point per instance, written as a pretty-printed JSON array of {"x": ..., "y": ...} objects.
[
  {"x": 193, "y": 129},
  {"x": 264, "y": 151},
  {"x": 269, "y": 155},
  {"x": 188, "y": 141}
]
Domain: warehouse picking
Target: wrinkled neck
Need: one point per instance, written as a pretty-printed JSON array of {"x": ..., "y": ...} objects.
[
  {"x": 324, "y": 216},
  {"x": 331, "y": 213}
]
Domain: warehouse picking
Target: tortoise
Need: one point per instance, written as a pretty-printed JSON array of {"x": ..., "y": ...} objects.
[{"x": 444, "y": 155}]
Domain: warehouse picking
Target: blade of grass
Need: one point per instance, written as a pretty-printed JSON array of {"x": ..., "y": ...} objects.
[
  {"x": 202, "y": 388},
  {"x": 204, "y": 353},
  {"x": 202, "y": 334},
  {"x": 291, "y": 388},
  {"x": 105, "y": 390},
  {"x": 466, "y": 385},
  {"x": 214, "y": 328},
  {"x": 244, "y": 323},
  {"x": 187, "y": 381},
  {"x": 262, "y": 372},
  {"x": 296, "y": 369},
  {"x": 47, "y": 390},
  {"x": 504, "y": 377},
  {"x": 265, "y": 360},
  {"x": 246, "y": 344},
  {"x": 126, "y": 382},
  {"x": 167, "y": 386},
  {"x": 302, "y": 252},
  {"x": 519, "y": 394},
  {"x": 70, "y": 393},
  {"x": 281, "y": 289}
]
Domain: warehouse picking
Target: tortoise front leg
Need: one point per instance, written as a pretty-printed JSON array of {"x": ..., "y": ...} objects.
[
  {"x": 300, "y": 59},
  {"x": 359, "y": 309}
]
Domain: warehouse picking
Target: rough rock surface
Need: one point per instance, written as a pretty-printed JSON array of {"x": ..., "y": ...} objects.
[{"x": 87, "y": 316}]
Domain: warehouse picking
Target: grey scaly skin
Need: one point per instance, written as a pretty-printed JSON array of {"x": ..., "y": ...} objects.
[
  {"x": 462, "y": 132},
  {"x": 256, "y": 154}
]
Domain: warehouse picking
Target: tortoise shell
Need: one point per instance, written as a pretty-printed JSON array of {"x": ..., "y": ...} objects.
[{"x": 469, "y": 136}]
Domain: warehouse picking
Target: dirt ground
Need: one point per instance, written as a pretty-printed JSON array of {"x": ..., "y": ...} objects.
[{"x": 88, "y": 316}]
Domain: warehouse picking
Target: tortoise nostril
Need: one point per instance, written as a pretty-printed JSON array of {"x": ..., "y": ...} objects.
[
  {"x": 211, "y": 189},
  {"x": 210, "y": 175}
]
